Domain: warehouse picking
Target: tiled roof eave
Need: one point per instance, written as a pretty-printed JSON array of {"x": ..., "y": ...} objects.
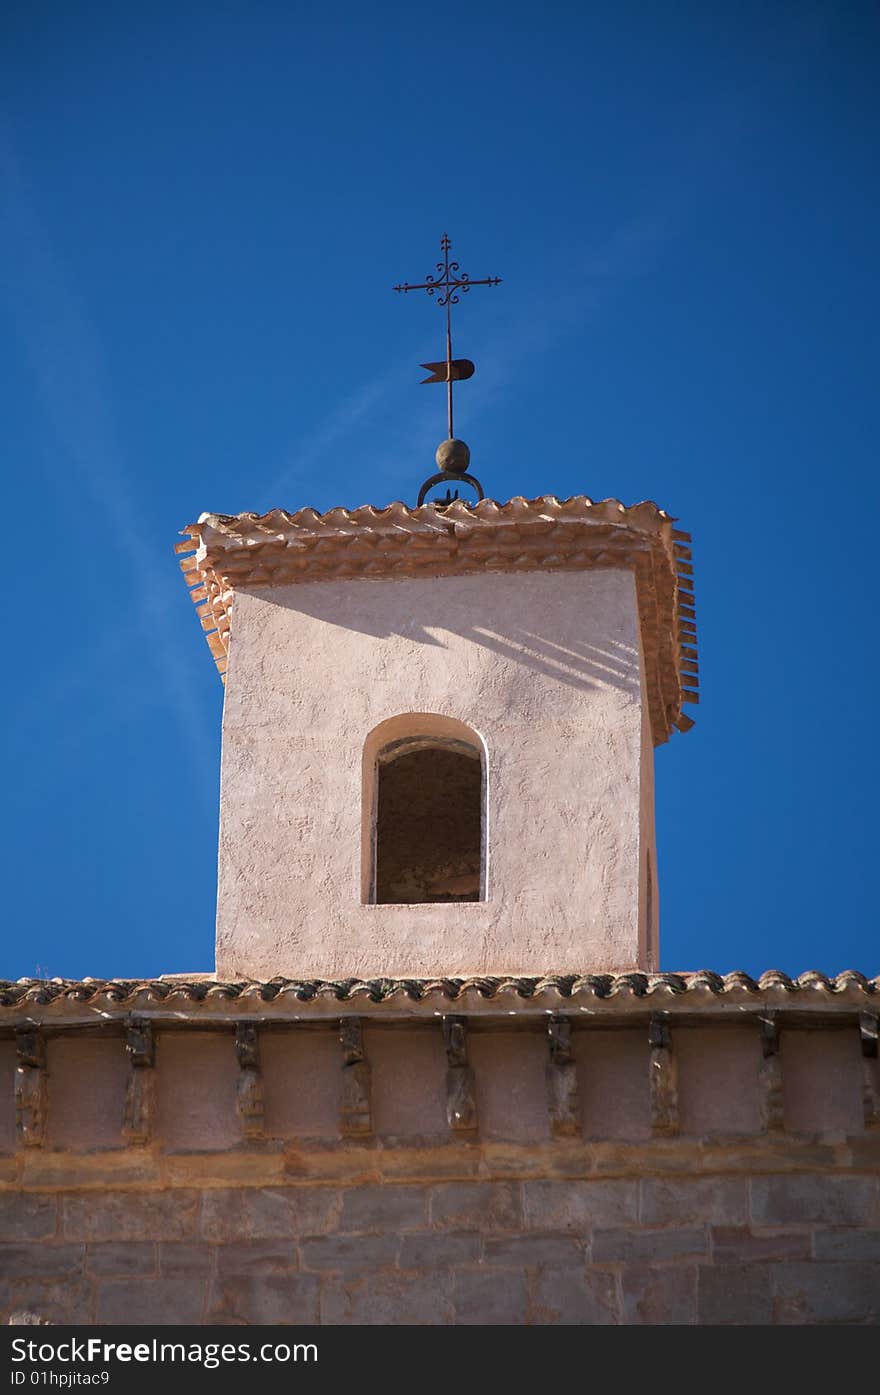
[
  {"x": 595, "y": 997},
  {"x": 222, "y": 553}
]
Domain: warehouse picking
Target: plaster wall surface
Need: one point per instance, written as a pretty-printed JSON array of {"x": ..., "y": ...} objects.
[{"x": 544, "y": 668}]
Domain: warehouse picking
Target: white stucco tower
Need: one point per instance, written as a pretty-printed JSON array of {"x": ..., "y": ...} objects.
[{"x": 438, "y": 734}]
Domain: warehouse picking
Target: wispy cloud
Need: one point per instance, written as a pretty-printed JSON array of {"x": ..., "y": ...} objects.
[{"x": 67, "y": 362}]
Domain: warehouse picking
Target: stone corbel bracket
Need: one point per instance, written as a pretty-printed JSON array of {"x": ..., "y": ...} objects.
[
  {"x": 30, "y": 1086},
  {"x": 461, "y": 1103},
  {"x": 662, "y": 1079},
  {"x": 139, "y": 1113},
  {"x": 772, "y": 1099},
  {"x": 562, "y": 1084},
  {"x": 869, "y": 1029},
  {"x": 250, "y": 1080},
  {"x": 355, "y": 1107}
]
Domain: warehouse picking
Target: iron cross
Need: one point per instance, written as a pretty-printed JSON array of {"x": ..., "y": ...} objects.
[{"x": 447, "y": 285}]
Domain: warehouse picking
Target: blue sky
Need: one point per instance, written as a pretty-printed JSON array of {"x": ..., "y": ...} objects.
[{"x": 204, "y": 209}]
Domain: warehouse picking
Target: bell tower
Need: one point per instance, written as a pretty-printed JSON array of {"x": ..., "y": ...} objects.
[
  {"x": 438, "y": 734},
  {"x": 439, "y": 723}
]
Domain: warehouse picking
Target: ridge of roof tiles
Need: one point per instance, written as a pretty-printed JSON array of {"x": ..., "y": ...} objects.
[
  {"x": 597, "y": 986},
  {"x": 221, "y": 551}
]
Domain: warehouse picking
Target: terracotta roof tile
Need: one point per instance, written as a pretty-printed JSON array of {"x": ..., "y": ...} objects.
[{"x": 222, "y": 552}]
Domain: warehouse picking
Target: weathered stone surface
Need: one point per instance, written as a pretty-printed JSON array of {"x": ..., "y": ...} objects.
[
  {"x": 649, "y": 1246},
  {"x": 384, "y": 1207},
  {"x": 484, "y": 1205},
  {"x": 179, "y": 1258},
  {"x": 264, "y": 1299},
  {"x": 439, "y": 1249},
  {"x": 736, "y": 1244},
  {"x": 257, "y": 1257},
  {"x": 142, "y": 1302},
  {"x": 266, "y": 1213},
  {"x": 830, "y": 1292},
  {"x": 829, "y": 1199},
  {"x": 392, "y": 1299},
  {"x": 66, "y": 1301},
  {"x": 129, "y": 1215},
  {"x": 665, "y": 1201},
  {"x": 41, "y": 1260},
  {"x": 484, "y": 1297},
  {"x": 579, "y": 1206},
  {"x": 847, "y": 1244},
  {"x": 736, "y": 1294},
  {"x": 27, "y": 1216},
  {"x": 122, "y": 1258},
  {"x": 574, "y": 1296},
  {"x": 660, "y": 1296},
  {"x": 533, "y": 1251},
  {"x": 350, "y": 1254}
]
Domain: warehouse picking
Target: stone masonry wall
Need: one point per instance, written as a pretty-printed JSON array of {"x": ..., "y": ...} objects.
[{"x": 413, "y": 1174}]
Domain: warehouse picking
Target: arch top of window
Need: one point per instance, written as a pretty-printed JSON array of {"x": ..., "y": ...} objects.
[{"x": 424, "y": 811}]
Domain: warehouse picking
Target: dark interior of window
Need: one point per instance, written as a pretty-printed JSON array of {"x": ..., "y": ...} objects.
[{"x": 428, "y": 823}]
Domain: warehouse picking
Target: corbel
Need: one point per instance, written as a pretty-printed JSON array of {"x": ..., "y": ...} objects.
[
  {"x": 770, "y": 1076},
  {"x": 355, "y": 1113},
  {"x": 562, "y": 1085},
  {"x": 662, "y": 1078},
  {"x": 250, "y": 1080},
  {"x": 140, "y": 1092},
  {"x": 30, "y": 1086},
  {"x": 869, "y": 1030},
  {"x": 461, "y": 1104}
]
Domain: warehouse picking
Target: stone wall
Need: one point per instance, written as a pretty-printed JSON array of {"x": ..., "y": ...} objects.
[{"x": 448, "y": 1170}]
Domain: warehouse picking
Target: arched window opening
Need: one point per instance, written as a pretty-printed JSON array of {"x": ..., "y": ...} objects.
[{"x": 428, "y": 830}]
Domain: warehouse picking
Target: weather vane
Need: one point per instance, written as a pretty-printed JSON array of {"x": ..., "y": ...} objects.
[{"x": 448, "y": 285}]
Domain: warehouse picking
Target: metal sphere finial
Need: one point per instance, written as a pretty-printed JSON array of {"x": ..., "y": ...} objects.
[{"x": 453, "y": 456}]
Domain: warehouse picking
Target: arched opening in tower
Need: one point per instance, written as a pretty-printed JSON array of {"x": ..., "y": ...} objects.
[{"x": 429, "y": 822}]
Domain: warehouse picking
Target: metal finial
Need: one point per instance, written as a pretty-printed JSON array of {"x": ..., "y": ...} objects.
[{"x": 448, "y": 286}]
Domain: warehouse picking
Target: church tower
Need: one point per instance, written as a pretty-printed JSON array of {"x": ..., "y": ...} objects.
[{"x": 438, "y": 733}]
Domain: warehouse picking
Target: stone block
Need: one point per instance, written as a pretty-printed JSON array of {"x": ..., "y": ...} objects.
[
  {"x": 847, "y": 1244},
  {"x": 257, "y": 1257},
  {"x": 41, "y": 1261},
  {"x": 61, "y": 1302},
  {"x": 302, "y": 1083},
  {"x": 734, "y": 1295},
  {"x": 350, "y": 1254},
  {"x": 264, "y": 1299},
  {"x": 574, "y": 1297},
  {"x": 719, "y": 1200},
  {"x": 645, "y": 1246},
  {"x": 439, "y": 1249},
  {"x": 483, "y": 1205},
  {"x": 492, "y": 1298},
  {"x": 87, "y": 1078},
  {"x": 511, "y": 1086},
  {"x": 268, "y": 1213},
  {"x": 822, "y": 1080},
  {"x": 144, "y": 1302},
  {"x": 660, "y": 1296},
  {"x": 535, "y": 1251},
  {"x": 197, "y": 1091},
  {"x": 826, "y": 1292},
  {"x": 390, "y": 1299},
  {"x": 578, "y": 1206},
  {"x": 613, "y": 1080},
  {"x": 122, "y": 1258},
  {"x": 178, "y": 1258},
  {"x": 383, "y": 1208},
  {"x": 28, "y": 1216},
  {"x": 738, "y": 1244},
  {"x": 820, "y": 1199},
  {"x": 101, "y": 1215},
  {"x": 409, "y": 1071},
  {"x": 718, "y": 1077}
]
